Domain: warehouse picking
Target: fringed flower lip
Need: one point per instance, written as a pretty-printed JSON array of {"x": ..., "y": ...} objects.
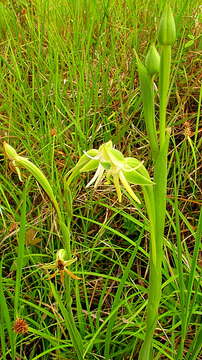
[{"x": 111, "y": 163}]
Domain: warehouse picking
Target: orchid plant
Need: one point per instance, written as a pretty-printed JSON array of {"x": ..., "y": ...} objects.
[
  {"x": 110, "y": 163},
  {"x": 107, "y": 162},
  {"x": 63, "y": 257}
]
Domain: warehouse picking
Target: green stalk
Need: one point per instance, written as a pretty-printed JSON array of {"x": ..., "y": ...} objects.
[
  {"x": 152, "y": 307},
  {"x": 156, "y": 208},
  {"x": 150, "y": 205},
  {"x": 117, "y": 300},
  {"x": 67, "y": 308},
  {"x": 167, "y": 36},
  {"x": 165, "y": 63},
  {"x": 147, "y": 90},
  {"x": 160, "y": 180}
]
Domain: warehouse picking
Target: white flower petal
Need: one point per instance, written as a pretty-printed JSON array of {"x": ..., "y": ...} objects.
[
  {"x": 96, "y": 157},
  {"x": 99, "y": 179},
  {"x": 97, "y": 176}
]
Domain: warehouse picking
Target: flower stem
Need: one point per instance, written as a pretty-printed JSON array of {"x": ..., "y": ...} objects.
[
  {"x": 165, "y": 62},
  {"x": 159, "y": 208},
  {"x": 160, "y": 180},
  {"x": 156, "y": 208},
  {"x": 147, "y": 90}
]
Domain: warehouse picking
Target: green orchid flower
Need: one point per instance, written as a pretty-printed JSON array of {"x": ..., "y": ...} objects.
[
  {"x": 110, "y": 163},
  {"x": 60, "y": 265}
]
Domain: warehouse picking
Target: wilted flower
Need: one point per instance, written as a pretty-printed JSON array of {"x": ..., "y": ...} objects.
[
  {"x": 60, "y": 266},
  {"x": 110, "y": 163}
]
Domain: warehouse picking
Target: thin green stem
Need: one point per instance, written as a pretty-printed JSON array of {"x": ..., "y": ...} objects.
[
  {"x": 153, "y": 297},
  {"x": 67, "y": 311},
  {"x": 150, "y": 205},
  {"x": 147, "y": 90},
  {"x": 160, "y": 180},
  {"x": 198, "y": 118},
  {"x": 165, "y": 63},
  {"x": 20, "y": 251},
  {"x": 5, "y": 315},
  {"x": 156, "y": 208}
]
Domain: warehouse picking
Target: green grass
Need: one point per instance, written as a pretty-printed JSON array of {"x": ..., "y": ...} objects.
[{"x": 69, "y": 83}]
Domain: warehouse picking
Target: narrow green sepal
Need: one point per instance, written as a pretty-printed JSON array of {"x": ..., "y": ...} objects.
[
  {"x": 115, "y": 156},
  {"x": 137, "y": 179},
  {"x": 90, "y": 166},
  {"x": 137, "y": 165},
  {"x": 85, "y": 158},
  {"x": 135, "y": 172}
]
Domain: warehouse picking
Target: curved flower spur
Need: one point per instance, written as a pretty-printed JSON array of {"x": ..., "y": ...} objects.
[{"x": 110, "y": 163}]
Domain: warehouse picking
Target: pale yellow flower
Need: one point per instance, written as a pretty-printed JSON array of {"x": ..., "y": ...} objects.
[
  {"x": 60, "y": 265},
  {"x": 110, "y": 163}
]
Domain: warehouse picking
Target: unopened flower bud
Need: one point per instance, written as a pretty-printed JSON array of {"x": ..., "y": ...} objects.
[
  {"x": 10, "y": 151},
  {"x": 152, "y": 60},
  {"x": 167, "y": 30}
]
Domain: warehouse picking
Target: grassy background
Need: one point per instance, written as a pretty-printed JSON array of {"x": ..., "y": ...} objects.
[{"x": 68, "y": 83}]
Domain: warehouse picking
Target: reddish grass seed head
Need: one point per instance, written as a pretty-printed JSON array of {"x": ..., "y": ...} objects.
[{"x": 20, "y": 326}]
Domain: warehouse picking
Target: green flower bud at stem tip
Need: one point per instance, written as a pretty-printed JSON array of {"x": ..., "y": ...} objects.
[
  {"x": 152, "y": 61},
  {"x": 167, "y": 30},
  {"x": 23, "y": 162},
  {"x": 10, "y": 151}
]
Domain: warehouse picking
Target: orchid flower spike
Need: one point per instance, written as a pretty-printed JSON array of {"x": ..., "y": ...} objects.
[{"x": 110, "y": 163}]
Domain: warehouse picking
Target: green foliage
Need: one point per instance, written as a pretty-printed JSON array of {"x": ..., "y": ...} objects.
[
  {"x": 8, "y": 23},
  {"x": 68, "y": 84}
]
